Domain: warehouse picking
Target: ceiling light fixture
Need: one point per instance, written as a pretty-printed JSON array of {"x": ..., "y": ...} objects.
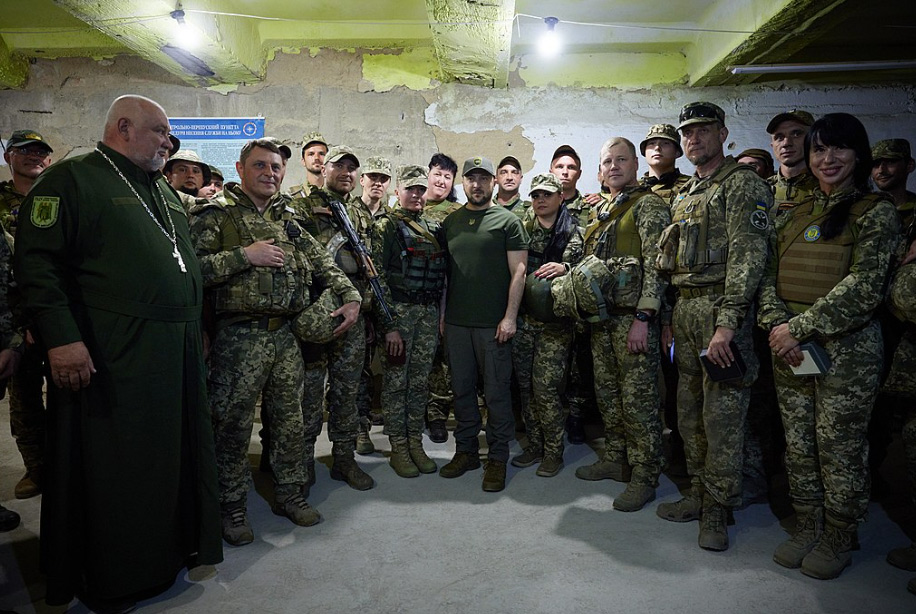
[
  {"x": 187, "y": 38},
  {"x": 764, "y": 69},
  {"x": 550, "y": 43}
]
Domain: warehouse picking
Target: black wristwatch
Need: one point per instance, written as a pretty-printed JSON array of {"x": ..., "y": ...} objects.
[{"x": 642, "y": 316}]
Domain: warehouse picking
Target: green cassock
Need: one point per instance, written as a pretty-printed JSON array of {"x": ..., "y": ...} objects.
[{"x": 130, "y": 489}]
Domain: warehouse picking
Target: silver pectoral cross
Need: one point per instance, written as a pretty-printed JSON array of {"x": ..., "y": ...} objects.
[{"x": 177, "y": 256}]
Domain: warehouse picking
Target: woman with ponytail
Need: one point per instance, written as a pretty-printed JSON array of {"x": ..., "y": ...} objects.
[{"x": 828, "y": 266}]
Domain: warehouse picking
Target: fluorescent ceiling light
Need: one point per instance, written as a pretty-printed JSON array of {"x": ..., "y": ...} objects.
[{"x": 763, "y": 69}]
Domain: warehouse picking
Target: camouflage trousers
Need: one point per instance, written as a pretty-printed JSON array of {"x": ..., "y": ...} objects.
[
  {"x": 626, "y": 386},
  {"x": 441, "y": 399},
  {"x": 405, "y": 387},
  {"x": 341, "y": 365},
  {"x": 711, "y": 415},
  {"x": 245, "y": 363},
  {"x": 902, "y": 384},
  {"x": 540, "y": 353},
  {"x": 27, "y": 409},
  {"x": 826, "y": 420}
]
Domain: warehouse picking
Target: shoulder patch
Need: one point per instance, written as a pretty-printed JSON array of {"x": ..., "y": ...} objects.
[
  {"x": 759, "y": 218},
  {"x": 45, "y": 210}
]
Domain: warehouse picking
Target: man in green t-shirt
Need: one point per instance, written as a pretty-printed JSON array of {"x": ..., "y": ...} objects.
[{"x": 480, "y": 313}]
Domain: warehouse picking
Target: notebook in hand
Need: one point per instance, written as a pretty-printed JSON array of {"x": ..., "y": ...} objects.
[
  {"x": 815, "y": 360},
  {"x": 735, "y": 371}
]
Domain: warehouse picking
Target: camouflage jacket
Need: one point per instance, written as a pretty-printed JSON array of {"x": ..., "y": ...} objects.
[
  {"x": 736, "y": 202},
  {"x": 219, "y": 244},
  {"x": 9, "y": 334},
  {"x": 10, "y": 200},
  {"x": 438, "y": 211},
  {"x": 517, "y": 206},
  {"x": 651, "y": 215},
  {"x": 853, "y": 301},
  {"x": 665, "y": 186},
  {"x": 579, "y": 209},
  {"x": 787, "y": 193},
  {"x": 302, "y": 190}
]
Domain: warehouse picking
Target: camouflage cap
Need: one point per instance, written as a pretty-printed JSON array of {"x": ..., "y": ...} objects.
[
  {"x": 472, "y": 164},
  {"x": 188, "y": 155},
  {"x": 566, "y": 150},
  {"x": 795, "y": 115},
  {"x": 377, "y": 164},
  {"x": 314, "y": 324},
  {"x": 700, "y": 113},
  {"x": 338, "y": 153},
  {"x": 891, "y": 149},
  {"x": 662, "y": 131},
  {"x": 546, "y": 182},
  {"x": 411, "y": 175},
  {"x": 285, "y": 151},
  {"x": 313, "y": 137},
  {"x": 21, "y": 138},
  {"x": 215, "y": 172},
  {"x": 511, "y": 161}
]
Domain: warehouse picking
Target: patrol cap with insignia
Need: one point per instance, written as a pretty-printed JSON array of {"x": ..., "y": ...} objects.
[
  {"x": 378, "y": 165},
  {"x": 662, "y": 131},
  {"x": 338, "y": 153},
  {"x": 188, "y": 155},
  {"x": 700, "y": 113},
  {"x": 510, "y": 160},
  {"x": 215, "y": 172},
  {"x": 285, "y": 151},
  {"x": 891, "y": 149},
  {"x": 311, "y": 138},
  {"x": 566, "y": 150},
  {"x": 795, "y": 115},
  {"x": 472, "y": 164},
  {"x": 411, "y": 175},
  {"x": 545, "y": 182},
  {"x": 21, "y": 138}
]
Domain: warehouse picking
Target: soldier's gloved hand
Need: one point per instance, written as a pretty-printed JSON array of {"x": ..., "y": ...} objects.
[
  {"x": 265, "y": 253},
  {"x": 71, "y": 365},
  {"x": 350, "y": 312}
]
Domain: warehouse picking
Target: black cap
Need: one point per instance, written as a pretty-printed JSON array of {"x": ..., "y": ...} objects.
[
  {"x": 510, "y": 160},
  {"x": 566, "y": 150}
]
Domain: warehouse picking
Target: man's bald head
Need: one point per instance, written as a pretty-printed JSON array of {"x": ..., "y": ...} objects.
[{"x": 138, "y": 128}]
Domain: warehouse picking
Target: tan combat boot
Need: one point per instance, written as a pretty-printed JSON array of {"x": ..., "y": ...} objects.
[
  {"x": 684, "y": 510},
  {"x": 713, "y": 525},
  {"x": 833, "y": 552},
  {"x": 418, "y": 455},
  {"x": 400, "y": 459},
  {"x": 809, "y": 525}
]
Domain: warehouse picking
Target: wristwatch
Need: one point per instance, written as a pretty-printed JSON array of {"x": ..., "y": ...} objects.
[{"x": 642, "y": 316}]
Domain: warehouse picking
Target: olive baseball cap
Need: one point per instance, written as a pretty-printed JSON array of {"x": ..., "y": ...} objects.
[
  {"x": 700, "y": 113},
  {"x": 545, "y": 182},
  {"x": 760, "y": 154},
  {"x": 285, "y": 151},
  {"x": 662, "y": 131},
  {"x": 512, "y": 161},
  {"x": 566, "y": 150},
  {"x": 411, "y": 175},
  {"x": 891, "y": 149},
  {"x": 795, "y": 115},
  {"x": 21, "y": 138},
  {"x": 189, "y": 155},
  {"x": 472, "y": 164},
  {"x": 215, "y": 172},
  {"x": 338, "y": 153},
  {"x": 377, "y": 164}
]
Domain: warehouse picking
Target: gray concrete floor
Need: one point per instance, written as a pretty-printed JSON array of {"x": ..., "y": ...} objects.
[{"x": 543, "y": 545}]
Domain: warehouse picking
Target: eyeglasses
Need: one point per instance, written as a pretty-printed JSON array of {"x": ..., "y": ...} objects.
[{"x": 34, "y": 152}]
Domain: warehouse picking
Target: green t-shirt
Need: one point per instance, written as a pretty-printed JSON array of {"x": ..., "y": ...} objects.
[{"x": 478, "y": 281}]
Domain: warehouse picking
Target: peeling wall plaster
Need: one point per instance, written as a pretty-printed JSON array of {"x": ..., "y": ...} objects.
[{"x": 353, "y": 99}]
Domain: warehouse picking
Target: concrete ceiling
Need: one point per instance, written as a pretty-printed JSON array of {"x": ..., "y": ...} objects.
[{"x": 606, "y": 43}]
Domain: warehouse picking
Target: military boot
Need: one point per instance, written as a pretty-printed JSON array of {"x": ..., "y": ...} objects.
[
  {"x": 529, "y": 456},
  {"x": 29, "y": 486},
  {"x": 903, "y": 558},
  {"x": 634, "y": 497},
  {"x": 297, "y": 509},
  {"x": 809, "y": 525},
  {"x": 494, "y": 476},
  {"x": 460, "y": 464},
  {"x": 605, "y": 469},
  {"x": 833, "y": 552},
  {"x": 684, "y": 510},
  {"x": 713, "y": 525},
  {"x": 418, "y": 455},
  {"x": 400, "y": 459},
  {"x": 236, "y": 528},
  {"x": 364, "y": 443},
  {"x": 9, "y": 520},
  {"x": 346, "y": 470}
]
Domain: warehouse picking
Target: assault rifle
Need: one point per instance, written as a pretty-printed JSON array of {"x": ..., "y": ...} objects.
[{"x": 362, "y": 254}]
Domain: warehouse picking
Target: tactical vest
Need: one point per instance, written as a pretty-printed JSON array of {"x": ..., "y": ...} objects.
[
  {"x": 263, "y": 290},
  {"x": 322, "y": 225},
  {"x": 691, "y": 212},
  {"x": 809, "y": 265},
  {"x": 789, "y": 193},
  {"x": 421, "y": 276},
  {"x": 616, "y": 234}
]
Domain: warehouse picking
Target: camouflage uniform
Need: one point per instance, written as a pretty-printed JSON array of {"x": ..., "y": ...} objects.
[
  {"x": 666, "y": 186},
  {"x": 826, "y": 417},
  {"x": 404, "y": 389},
  {"x": 787, "y": 193},
  {"x": 254, "y": 351},
  {"x": 539, "y": 351},
  {"x": 627, "y": 384},
  {"x": 521, "y": 208},
  {"x": 721, "y": 256},
  {"x": 27, "y": 409},
  {"x": 341, "y": 361}
]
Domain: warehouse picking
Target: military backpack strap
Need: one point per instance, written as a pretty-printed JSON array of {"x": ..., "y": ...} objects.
[
  {"x": 615, "y": 213},
  {"x": 422, "y": 232}
]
